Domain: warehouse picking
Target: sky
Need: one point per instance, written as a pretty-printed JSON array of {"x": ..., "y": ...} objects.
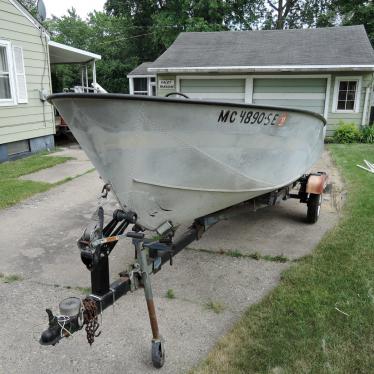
[{"x": 83, "y": 7}]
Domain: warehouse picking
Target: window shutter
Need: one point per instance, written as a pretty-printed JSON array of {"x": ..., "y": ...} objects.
[{"x": 19, "y": 67}]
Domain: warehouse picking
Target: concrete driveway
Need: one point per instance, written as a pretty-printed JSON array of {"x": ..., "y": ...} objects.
[{"x": 38, "y": 243}]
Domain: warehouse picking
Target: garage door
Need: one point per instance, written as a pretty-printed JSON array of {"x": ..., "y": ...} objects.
[
  {"x": 308, "y": 93},
  {"x": 214, "y": 89}
]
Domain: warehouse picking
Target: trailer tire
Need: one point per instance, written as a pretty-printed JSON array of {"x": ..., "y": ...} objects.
[
  {"x": 158, "y": 353},
  {"x": 314, "y": 207}
]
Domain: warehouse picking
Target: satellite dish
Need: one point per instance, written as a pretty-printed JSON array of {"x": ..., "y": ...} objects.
[{"x": 41, "y": 11}]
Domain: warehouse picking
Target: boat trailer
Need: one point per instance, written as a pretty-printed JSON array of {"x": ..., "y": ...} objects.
[{"x": 98, "y": 241}]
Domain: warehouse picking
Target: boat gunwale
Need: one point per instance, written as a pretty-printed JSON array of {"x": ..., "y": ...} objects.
[{"x": 116, "y": 96}]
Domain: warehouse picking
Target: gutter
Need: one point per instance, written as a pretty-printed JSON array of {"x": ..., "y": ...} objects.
[{"x": 262, "y": 69}]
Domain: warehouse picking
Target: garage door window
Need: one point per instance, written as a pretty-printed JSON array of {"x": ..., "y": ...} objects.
[{"x": 346, "y": 95}]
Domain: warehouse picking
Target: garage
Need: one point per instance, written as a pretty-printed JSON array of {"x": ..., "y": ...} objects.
[
  {"x": 232, "y": 90},
  {"x": 302, "y": 93}
]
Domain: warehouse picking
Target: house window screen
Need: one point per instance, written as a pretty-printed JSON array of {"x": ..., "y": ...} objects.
[
  {"x": 5, "y": 92},
  {"x": 140, "y": 86},
  {"x": 347, "y": 95}
]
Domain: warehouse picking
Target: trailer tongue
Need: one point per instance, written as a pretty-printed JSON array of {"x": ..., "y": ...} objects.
[{"x": 95, "y": 246}]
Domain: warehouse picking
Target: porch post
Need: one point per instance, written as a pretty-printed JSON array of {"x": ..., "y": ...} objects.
[
  {"x": 82, "y": 75},
  {"x": 94, "y": 73},
  {"x": 87, "y": 84},
  {"x": 131, "y": 86}
]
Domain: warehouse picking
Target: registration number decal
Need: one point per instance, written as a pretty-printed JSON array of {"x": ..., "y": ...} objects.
[{"x": 252, "y": 117}]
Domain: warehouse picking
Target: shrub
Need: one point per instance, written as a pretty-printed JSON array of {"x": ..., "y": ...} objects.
[
  {"x": 367, "y": 134},
  {"x": 329, "y": 140},
  {"x": 347, "y": 133}
]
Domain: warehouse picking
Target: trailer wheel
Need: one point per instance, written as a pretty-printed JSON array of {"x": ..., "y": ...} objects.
[
  {"x": 314, "y": 207},
  {"x": 158, "y": 354}
]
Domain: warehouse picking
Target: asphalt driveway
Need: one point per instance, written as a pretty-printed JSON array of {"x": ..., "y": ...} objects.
[{"x": 38, "y": 243}]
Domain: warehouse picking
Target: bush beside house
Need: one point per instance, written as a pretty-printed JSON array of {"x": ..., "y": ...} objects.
[{"x": 350, "y": 133}]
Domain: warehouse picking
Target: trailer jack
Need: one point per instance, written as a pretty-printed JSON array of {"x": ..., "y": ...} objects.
[{"x": 95, "y": 246}]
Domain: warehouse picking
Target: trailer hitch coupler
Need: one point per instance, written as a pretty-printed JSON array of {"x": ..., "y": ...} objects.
[{"x": 51, "y": 336}]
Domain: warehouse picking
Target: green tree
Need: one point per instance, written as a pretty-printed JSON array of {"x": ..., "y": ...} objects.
[
  {"x": 71, "y": 30},
  {"x": 111, "y": 37},
  {"x": 156, "y": 23},
  {"x": 139, "y": 15},
  {"x": 102, "y": 34},
  {"x": 291, "y": 14},
  {"x": 177, "y": 16},
  {"x": 358, "y": 12},
  {"x": 30, "y": 5}
]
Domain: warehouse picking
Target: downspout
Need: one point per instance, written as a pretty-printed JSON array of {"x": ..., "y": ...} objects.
[
  {"x": 50, "y": 81},
  {"x": 371, "y": 100},
  {"x": 368, "y": 102}
]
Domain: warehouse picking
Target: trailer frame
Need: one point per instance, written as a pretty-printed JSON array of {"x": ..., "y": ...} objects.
[{"x": 98, "y": 241}]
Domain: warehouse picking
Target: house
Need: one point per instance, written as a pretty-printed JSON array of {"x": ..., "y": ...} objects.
[
  {"x": 27, "y": 121},
  {"x": 327, "y": 70}
]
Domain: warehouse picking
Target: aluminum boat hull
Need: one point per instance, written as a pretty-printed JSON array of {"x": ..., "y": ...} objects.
[{"x": 176, "y": 160}]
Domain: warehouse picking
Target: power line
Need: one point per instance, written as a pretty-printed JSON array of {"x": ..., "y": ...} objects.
[{"x": 125, "y": 38}]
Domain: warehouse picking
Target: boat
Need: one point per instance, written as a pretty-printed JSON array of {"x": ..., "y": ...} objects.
[{"x": 172, "y": 160}]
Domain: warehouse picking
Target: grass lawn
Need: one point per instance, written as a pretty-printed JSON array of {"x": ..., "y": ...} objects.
[
  {"x": 12, "y": 189},
  {"x": 320, "y": 319}
]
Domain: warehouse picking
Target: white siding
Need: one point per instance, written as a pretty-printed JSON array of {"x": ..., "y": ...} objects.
[{"x": 30, "y": 117}]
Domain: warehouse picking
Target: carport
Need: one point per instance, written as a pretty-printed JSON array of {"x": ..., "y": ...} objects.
[{"x": 65, "y": 54}]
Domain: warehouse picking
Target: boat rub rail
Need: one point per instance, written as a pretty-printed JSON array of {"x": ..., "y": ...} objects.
[{"x": 107, "y": 96}]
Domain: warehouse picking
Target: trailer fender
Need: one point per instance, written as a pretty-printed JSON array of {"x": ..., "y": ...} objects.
[{"x": 316, "y": 183}]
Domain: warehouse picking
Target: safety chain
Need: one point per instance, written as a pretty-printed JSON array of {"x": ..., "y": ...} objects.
[{"x": 90, "y": 320}]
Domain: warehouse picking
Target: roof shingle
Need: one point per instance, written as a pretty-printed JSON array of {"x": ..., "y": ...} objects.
[
  {"x": 347, "y": 45},
  {"x": 141, "y": 69}
]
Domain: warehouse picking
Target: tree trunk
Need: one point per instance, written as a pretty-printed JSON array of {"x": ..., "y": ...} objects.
[{"x": 280, "y": 18}]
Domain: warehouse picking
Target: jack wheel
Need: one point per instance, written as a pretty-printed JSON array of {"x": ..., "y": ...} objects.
[
  {"x": 314, "y": 208},
  {"x": 158, "y": 353}
]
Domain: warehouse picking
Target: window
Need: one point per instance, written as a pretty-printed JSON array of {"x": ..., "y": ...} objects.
[
  {"x": 13, "y": 87},
  {"x": 143, "y": 85},
  {"x": 5, "y": 88},
  {"x": 346, "y": 94},
  {"x": 140, "y": 86}
]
